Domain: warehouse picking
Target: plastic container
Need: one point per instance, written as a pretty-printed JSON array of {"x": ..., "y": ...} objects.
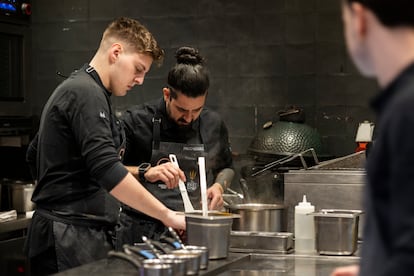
[{"x": 304, "y": 227}]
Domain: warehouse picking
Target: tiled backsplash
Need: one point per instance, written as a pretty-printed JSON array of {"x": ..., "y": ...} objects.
[{"x": 263, "y": 56}]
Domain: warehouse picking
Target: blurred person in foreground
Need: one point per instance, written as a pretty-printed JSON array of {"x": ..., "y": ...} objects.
[
  {"x": 177, "y": 123},
  {"x": 380, "y": 39},
  {"x": 76, "y": 156}
]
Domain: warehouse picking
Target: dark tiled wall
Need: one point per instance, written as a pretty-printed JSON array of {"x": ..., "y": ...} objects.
[{"x": 263, "y": 55}]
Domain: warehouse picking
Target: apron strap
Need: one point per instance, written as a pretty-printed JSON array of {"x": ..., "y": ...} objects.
[
  {"x": 156, "y": 132},
  {"x": 72, "y": 219}
]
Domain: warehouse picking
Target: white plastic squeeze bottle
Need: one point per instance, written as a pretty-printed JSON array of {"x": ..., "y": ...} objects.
[{"x": 304, "y": 227}]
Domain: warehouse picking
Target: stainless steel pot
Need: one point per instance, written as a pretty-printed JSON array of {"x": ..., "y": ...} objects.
[
  {"x": 179, "y": 265},
  {"x": 192, "y": 260},
  {"x": 156, "y": 267},
  {"x": 148, "y": 267},
  {"x": 204, "y": 255},
  {"x": 22, "y": 196},
  {"x": 259, "y": 217},
  {"x": 212, "y": 231}
]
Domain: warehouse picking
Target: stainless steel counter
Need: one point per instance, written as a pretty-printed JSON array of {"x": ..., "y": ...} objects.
[
  {"x": 289, "y": 265},
  {"x": 21, "y": 223},
  {"x": 236, "y": 264}
]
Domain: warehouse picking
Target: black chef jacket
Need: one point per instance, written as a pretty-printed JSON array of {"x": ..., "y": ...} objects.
[
  {"x": 388, "y": 246},
  {"x": 76, "y": 158},
  {"x": 209, "y": 130}
]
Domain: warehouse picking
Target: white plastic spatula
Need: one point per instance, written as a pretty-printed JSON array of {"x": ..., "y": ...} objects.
[
  {"x": 188, "y": 207},
  {"x": 203, "y": 184}
]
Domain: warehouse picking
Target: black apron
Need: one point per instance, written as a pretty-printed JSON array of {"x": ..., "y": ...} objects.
[
  {"x": 81, "y": 235},
  {"x": 187, "y": 157},
  {"x": 135, "y": 224}
]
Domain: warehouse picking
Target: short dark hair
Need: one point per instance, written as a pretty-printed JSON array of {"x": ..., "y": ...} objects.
[
  {"x": 189, "y": 75},
  {"x": 391, "y": 13},
  {"x": 136, "y": 36}
]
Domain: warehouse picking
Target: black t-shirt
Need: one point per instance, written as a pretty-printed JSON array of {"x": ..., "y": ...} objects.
[{"x": 77, "y": 162}]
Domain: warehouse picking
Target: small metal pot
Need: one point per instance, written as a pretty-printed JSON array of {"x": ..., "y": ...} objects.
[
  {"x": 203, "y": 250},
  {"x": 258, "y": 217},
  {"x": 156, "y": 267},
  {"x": 178, "y": 264},
  {"x": 22, "y": 196},
  {"x": 149, "y": 267},
  {"x": 193, "y": 260}
]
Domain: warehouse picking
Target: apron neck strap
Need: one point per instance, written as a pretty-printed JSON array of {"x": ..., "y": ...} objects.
[{"x": 156, "y": 132}]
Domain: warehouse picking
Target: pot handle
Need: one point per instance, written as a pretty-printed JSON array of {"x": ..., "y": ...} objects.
[
  {"x": 129, "y": 249},
  {"x": 126, "y": 257},
  {"x": 235, "y": 193},
  {"x": 245, "y": 189}
]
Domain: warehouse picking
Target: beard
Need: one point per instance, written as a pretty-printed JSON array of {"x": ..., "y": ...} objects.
[{"x": 183, "y": 125}]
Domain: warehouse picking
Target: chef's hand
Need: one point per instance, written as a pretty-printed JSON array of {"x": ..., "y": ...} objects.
[
  {"x": 215, "y": 197},
  {"x": 174, "y": 220},
  {"x": 167, "y": 173},
  {"x": 351, "y": 270}
]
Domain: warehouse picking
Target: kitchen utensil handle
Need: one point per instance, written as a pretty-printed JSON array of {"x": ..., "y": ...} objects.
[
  {"x": 235, "y": 193},
  {"x": 188, "y": 207},
  {"x": 139, "y": 252},
  {"x": 172, "y": 242},
  {"x": 149, "y": 243},
  {"x": 124, "y": 256},
  {"x": 176, "y": 237}
]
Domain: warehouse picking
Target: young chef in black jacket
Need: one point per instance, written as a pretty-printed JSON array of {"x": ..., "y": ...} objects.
[
  {"x": 177, "y": 123},
  {"x": 77, "y": 156},
  {"x": 380, "y": 39}
]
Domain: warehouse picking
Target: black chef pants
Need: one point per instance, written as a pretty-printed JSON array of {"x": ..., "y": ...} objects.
[
  {"x": 68, "y": 246},
  {"x": 44, "y": 263}
]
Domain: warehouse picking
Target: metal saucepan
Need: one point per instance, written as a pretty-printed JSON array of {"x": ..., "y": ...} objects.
[
  {"x": 259, "y": 217},
  {"x": 203, "y": 251},
  {"x": 153, "y": 267},
  {"x": 178, "y": 264},
  {"x": 193, "y": 260}
]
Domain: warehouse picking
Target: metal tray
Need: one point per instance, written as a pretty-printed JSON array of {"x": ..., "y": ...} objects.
[{"x": 261, "y": 242}]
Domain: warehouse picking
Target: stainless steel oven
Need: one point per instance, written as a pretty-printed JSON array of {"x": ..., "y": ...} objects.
[{"x": 15, "y": 44}]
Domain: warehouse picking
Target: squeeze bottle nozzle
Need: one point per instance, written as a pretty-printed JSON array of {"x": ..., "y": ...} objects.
[{"x": 304, "y": 202}]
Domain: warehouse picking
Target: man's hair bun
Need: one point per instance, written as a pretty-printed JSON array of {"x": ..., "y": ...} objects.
[{"x": 188, "y": 55}]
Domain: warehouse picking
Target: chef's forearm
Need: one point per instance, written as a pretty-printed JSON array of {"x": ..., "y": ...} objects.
[
  {"x": 224, "y": 178},
  {"x": 130, "y": 192}
]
